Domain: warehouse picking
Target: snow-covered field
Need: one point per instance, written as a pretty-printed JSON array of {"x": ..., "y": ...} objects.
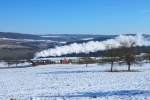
[{"x": 75, "y": 82}]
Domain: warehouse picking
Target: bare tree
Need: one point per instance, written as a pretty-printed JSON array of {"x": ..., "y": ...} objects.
[
  {"x": 130, "y": 57},
  {"x": 87, "y": 60},
  {"x": 111, "y": 55},
  {"x": 129, "y": 54}
]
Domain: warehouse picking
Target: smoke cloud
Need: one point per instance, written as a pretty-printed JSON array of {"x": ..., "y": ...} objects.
[{"x": 93, "y": 46}]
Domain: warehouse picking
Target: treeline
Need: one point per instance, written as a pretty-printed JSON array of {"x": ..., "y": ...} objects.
[
  {"x": 123, "y": 54},
  {"x": 15, "y": 56},
  {"x": 126, "y": 55}
]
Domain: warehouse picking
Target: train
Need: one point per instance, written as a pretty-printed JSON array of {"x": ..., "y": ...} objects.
[{"x": 46, "y": 61}]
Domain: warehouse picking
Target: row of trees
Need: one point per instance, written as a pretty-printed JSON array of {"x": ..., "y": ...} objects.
[
  {"x": 16, "y": 56},
  {"x": 125, "y": 53}
]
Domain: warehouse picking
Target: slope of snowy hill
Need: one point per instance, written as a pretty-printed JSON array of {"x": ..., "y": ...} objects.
[{"x": 75, "y": 82}]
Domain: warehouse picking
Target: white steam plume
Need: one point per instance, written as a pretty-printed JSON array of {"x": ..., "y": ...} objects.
[{"x": 94, "y": 46}]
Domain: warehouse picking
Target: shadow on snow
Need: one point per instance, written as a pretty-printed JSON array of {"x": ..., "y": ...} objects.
[
  {"x": 87, "y": 71},
  {"x": 128, "y": 93},
  {"x": 71, "y": 72}
]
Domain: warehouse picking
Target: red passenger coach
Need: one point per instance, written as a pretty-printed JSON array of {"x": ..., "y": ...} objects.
[{"x": 65, "y": 61}]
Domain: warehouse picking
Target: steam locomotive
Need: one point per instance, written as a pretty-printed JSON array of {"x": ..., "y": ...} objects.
[{"x": 45, "y": 61}]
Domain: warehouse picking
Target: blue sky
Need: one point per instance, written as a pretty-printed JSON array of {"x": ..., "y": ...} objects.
[{"x": 75, "y": 16}]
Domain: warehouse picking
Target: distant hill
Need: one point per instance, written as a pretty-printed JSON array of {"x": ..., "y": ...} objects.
[
  {"x": 69, "y": 38},
  {"x": 40, "y": 42},
  {"x": 56, "y": 37},
  {"x": 18, "y": 45},
  {"x": 12, "y": 35}
]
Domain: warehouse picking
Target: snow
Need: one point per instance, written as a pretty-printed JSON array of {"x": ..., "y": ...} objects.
[
  {"x": 27, "y": 40},
  {"x": 50, "y": 36},
  {"x": 75, "y": 82},
  {"x": 4, "y": 65},
  {"x": 87, "y": 39}
]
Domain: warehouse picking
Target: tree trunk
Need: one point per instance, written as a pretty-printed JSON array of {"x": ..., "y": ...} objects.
[
  {"x": 16, "y": 64},
  {"x": 86, "y": 65},
  {"x": 112, "y": 63},
  {"x": 129, "y": 65}
]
